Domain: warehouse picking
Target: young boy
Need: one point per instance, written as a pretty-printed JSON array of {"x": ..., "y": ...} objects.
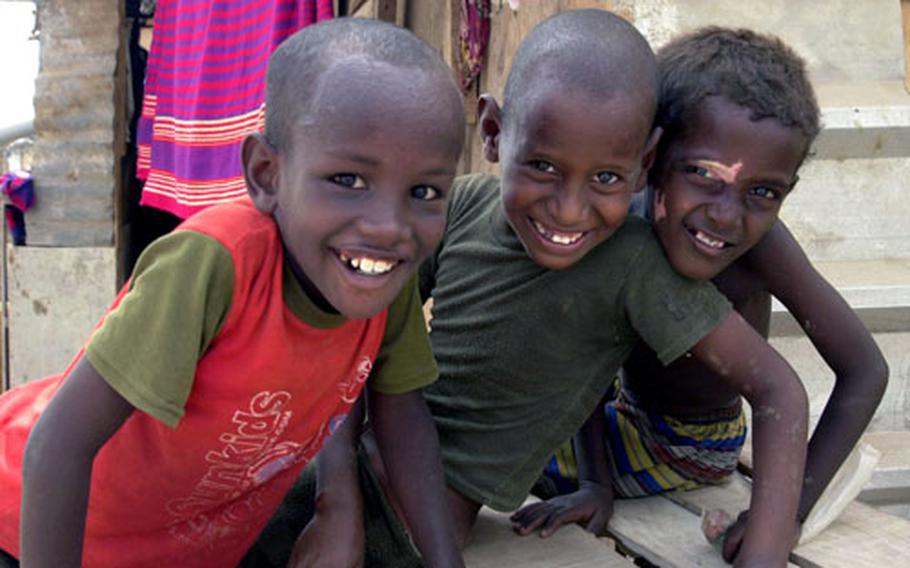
[
  {"x": 542, "y": 287},
  {"x": 243, "y": 338},
  {"x": 739, "y": 116}
]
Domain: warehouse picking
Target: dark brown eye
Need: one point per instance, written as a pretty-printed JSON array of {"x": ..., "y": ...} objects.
[
  {"x": 353, "y": 181},
  {"x": 425, "y": 192}
]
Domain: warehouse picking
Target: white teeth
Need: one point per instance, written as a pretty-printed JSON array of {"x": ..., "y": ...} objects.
[
  {"x": 367, "y": 265},
  {"x": 711, "y": 242},
  {"x": 558, "y": 238}
]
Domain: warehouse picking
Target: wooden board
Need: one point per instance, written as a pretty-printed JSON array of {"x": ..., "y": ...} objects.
[
  {"x": 861, "y": 537},
  {"x": 663, "y": 533},
  {"x": 495, "y": 545}
]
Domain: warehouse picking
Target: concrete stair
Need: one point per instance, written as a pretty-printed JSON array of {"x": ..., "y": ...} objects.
[{"x": 850, "y": 213}]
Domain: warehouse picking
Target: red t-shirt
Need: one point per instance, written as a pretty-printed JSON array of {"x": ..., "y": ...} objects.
[{"x": 265, "y": 395}]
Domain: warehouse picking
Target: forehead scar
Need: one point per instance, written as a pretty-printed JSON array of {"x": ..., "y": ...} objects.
[{"x": 722, "y": 171}]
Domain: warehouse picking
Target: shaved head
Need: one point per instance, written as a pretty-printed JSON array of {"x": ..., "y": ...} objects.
[
  {"x": 591, "y": 52},
  {"x": 297, "y": 67}
]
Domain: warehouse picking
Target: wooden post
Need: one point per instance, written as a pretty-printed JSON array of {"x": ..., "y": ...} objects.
[{"x": 905, "y": 10}]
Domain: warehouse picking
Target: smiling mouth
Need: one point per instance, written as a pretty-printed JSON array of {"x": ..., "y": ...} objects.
[
  {"x": 707, "y": 240},
  {"x": 367, "y": 265},
  {"x": 557, "y": 237}
]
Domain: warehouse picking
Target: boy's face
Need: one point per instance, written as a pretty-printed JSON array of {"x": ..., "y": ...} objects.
[
  {"x": 720, "y": 184},
  {"x": 360, "y": 195},
  {"x": 570, "y": 164}
]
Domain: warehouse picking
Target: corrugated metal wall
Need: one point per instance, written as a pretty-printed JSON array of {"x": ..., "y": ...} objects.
[{"x": 78, "y": 123}]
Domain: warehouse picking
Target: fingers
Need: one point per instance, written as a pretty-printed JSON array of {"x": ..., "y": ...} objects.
[
  {"x": 733, "y": 539},
  {"x": 528, "y": 519},
  {"x": 598, "y": 524},
  {"x": 558, "y": 519},
  {"x": 529, "y": 511}
]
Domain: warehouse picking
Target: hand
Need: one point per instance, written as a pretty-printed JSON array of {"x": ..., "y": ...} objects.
[
  {"x": 329, "y": 540},
  {"x": 733, "y": 540},
  {"x": 592, "y": 504}
]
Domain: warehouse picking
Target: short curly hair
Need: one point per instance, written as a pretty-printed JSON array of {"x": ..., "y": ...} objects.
[{"x": 756, "y": 71}]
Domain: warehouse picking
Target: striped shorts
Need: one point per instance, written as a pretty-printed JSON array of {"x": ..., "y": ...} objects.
[{"x": 652, "y": 453}]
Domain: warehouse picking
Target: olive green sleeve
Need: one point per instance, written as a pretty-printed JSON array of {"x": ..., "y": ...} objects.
[
  {"x": 670, "y": 312},
  {"x": 405, "y": 361},
  {"x": 148, "y": 347}
]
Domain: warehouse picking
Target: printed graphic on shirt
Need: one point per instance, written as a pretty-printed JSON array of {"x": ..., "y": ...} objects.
[
  {"x": 350, "y": 389},
  {"x": 252, "y": 452}
]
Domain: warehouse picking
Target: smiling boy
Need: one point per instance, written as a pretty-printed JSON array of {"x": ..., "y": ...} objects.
[
  {"x": 542, "y": 286},
  {"x": 739, "y": 116},
  {"x": 722, "y": 224},
  {"x": 243, "y": 339}
]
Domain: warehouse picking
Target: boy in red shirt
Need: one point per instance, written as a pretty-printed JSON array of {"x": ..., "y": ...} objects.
[{"x": 243, "y": 338}]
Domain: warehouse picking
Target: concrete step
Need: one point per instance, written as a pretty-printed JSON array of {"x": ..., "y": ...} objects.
[
  {"x": 889, "y": 488},
  {"x": 878, "y": 290},
  {"x": 863, "y": 119},
  {"x": 851, "y": 201},
  {"x": 893, "y": 413}
]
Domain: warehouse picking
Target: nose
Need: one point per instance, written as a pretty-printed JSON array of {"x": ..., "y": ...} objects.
[
  {"x": 726, "y": 210},
  {"x": 384, "y": 221},
  {"x": 569, "y": 206}
]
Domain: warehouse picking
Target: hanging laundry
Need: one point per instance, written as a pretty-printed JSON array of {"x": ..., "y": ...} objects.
[
  {"x": 204, "y": 91},
  {"x": 474, "y": 35},
  {"x": 19, "y": 191}
]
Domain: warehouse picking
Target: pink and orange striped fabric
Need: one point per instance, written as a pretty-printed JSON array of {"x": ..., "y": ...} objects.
[{"x": 204, "y": 91}]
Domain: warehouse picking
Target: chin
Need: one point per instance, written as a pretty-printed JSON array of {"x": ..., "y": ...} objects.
[{"x": 695, "y": 269}]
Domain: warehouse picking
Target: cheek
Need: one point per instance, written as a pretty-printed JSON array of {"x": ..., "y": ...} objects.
[
  {"x": 429, "y": 230},
  {"x": 757, "y": 226},
  {"x": 614, "y": 209}
]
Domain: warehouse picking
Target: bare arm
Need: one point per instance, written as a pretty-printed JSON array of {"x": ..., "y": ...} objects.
[
  {"x": 407, "y": 440},
  {"x": 57, "y": 466},
  {"x": 779, "y": 416},
  {"x": 861, "y": 373},
  {"x": 334, "y": 537}
]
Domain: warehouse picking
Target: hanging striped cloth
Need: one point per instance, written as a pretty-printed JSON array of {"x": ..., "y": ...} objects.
[{"x": 204, "y": 91}]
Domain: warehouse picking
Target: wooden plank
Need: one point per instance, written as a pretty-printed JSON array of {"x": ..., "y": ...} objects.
[
  {"x": 496, "y": 545},
  {"x": 861, "y": 537},
  {"x": 364, "y": 9},
  {"x": 733, "y": 496},
  {"x": 354, "y": 6},
  {"x": 663, "y": 533},
  {"x": 392, "y": 11}
]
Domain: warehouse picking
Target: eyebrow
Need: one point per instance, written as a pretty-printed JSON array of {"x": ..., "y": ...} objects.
[
  {"x": 726, "y": 173},
  {"x": 369, "y": 161}
]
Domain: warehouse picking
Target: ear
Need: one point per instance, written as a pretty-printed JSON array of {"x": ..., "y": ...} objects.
[
  {"x": 658, "y": 205},
  {"x": 648, "y": 156},
  {"x": 490, "y": 126},
  {"x": 260, "y": 170}
]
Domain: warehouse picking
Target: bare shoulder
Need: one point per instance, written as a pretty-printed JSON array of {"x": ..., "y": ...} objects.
[{"x": 779, "y": 263}]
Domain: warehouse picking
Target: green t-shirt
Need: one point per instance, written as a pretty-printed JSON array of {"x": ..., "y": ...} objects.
[
  {"x": 180, "y": 294},
  {"x": 526, "y": 353}
]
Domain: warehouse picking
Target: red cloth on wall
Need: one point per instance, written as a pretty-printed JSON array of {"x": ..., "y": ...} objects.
[{"x": 205, "y": 90}]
